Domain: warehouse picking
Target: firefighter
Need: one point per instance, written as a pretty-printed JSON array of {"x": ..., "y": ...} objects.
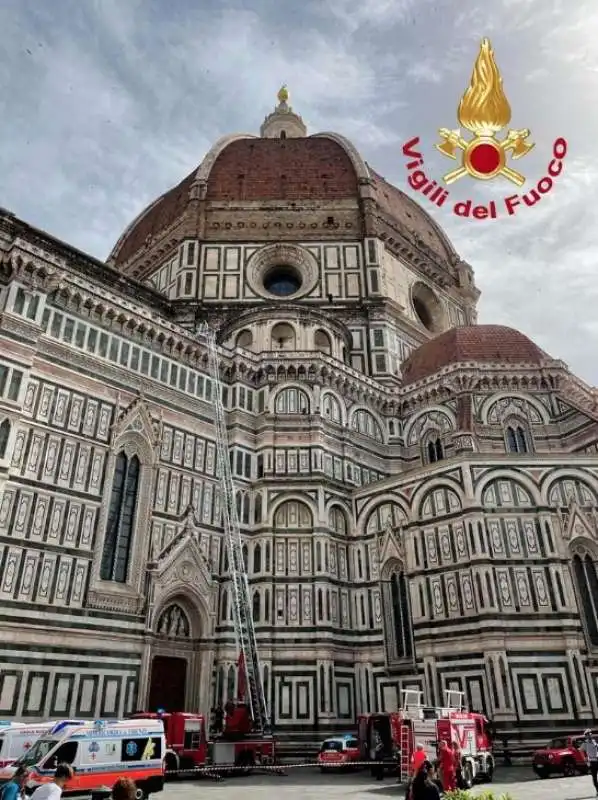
[
  {"x": 377, "y": 755},
  {"x": 447, "y": 766},
  {"x": 458, "y": 772}
]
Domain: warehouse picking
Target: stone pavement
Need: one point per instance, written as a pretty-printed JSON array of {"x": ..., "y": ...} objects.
[{"x": 309, "y": 784}]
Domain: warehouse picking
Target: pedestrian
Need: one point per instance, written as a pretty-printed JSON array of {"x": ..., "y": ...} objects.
[
  {"x": 424, "y": 786},
  {"x": 447, "y": 766},
  {"x": 590, "y": 748},
  {"x": 53, "y": 789},
  {"x": 457, "y": 762},
  {"x": 15, "y": 788},
  {"x": 124, "y": 789},
  {"x": 377, "y": 755}
]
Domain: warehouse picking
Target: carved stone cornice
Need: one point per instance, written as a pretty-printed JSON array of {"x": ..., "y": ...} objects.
[{"x": 109, "y": 601}]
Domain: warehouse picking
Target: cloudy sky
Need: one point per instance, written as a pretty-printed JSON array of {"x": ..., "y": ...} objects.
[{"x": 104, "y": 104}]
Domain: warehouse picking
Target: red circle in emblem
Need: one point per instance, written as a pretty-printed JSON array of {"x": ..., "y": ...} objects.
[{"x": 485, "y": 158}]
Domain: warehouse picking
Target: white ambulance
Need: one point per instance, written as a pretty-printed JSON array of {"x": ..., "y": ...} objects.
[
  {"x": 100, "y": 753},
  {"x": 17, "y": 737}
]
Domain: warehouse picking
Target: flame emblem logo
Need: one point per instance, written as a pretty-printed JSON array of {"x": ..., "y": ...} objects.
[{"x": 484, "y": 111}]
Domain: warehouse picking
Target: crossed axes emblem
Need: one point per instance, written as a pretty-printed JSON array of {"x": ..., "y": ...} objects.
[{"x": 515, "y": 142}]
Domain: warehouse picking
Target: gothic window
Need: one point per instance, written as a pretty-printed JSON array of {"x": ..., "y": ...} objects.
[
  {"x": 257, "y": 558},
  {"x": 224, "y": 605},
  {"x": 257, "y": 511},
  {"x": 517, "y": 438},
  {"x": 292, "y": 514},
  {"x": 121, "y": 519},
  {"x": 399, "y": 633},
  {"x": 338, "y": 521},
  {"x": 267, "y": 605},
  {"x": 4, "y": 434},
  {"x": 586, "y": 580},
  {"x": 320, "y": 605},
  {"x": 291, "y": 401},
  {"x": 434, "y": 451},
  {"x": 230, "y": 684},
  {"x": 245, "y": 557},
  {"x": 174, "y": 623},
  {"x": 331, "y": 408},
  {"x": 256, "y": 606},
  {"x": 318, "y": 556},
  {"x": 267, "y": 558},
  {"x": 365, "y": 423}
]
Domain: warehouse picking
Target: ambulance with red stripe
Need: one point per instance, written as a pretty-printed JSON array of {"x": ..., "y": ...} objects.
[
  {"x": 17, "y": 737},
  {"x": 100, "y": 753}
]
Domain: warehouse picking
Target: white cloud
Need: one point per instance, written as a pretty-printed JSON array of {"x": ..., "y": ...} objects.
[{"x": 105, "y": 105}]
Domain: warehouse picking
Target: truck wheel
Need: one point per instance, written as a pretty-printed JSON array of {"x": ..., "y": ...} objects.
[
  {"x": 467, "y": 775},
  {"x": 171, "y": 763}
]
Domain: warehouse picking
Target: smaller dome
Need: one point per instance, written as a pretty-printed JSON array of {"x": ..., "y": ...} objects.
[{"x": 487, "y": 343}]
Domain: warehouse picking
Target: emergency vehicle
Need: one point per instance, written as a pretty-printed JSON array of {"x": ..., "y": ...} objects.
[
  {"x": 416, "y": 723},
  {"x": 238, "y": 744},
  {"x": 185, "y": 734},
  {"x": 338, "y": 752},
  {"x": 17, "y": 737},
  {"x": 100, "y": 753}
]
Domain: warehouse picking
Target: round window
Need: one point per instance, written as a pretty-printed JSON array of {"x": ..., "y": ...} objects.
[{"x": 282, "y": 281}]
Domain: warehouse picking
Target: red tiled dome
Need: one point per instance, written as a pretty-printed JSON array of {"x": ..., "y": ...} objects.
[
  {"x": 320, "y": 168},
  {"x": 486, "y": 343}
]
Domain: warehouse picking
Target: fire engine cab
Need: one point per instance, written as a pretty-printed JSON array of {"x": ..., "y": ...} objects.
[{"x": 417, "y": 723}]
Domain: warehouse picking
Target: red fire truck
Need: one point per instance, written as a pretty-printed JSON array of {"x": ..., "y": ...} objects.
[
  {"x": 416, "y": 723},
  {"x": 187, "y": 745}
]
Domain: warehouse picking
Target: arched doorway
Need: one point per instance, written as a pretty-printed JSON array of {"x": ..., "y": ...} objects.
[{"x": 169, "y": 673}]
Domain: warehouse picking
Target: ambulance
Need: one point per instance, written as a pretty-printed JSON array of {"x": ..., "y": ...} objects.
[
  {"x": 17, "y": 737},
  {"x": 100, "y": 753}
]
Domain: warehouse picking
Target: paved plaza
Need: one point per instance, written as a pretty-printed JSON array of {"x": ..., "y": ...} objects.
[{"x": 308, "y": 784}]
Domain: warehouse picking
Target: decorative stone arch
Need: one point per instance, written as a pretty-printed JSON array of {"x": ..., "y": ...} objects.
[
  {"x": 365, "y": 513},
  {"x": 495, "y": 399},
  {"x": 300, "y": 388},
  {"x": 583, "y": 553},
  {"x": 126, "y": 597},
  {"x": 419, "y": 423},
  {"x": 293, "y": 498},
  {"x": 274, "y": 324},
  {"x": 390, "y": 567},
  {"x": 341, "y": 405},
  {"x": 193, "y": 653},
  {"x": 429, "y": 486},
  {"x": 506, "y": 475},
  {"x": 566, "y": 473},
  {"x": 354, "y": 410},
  {"x": 359, "y": 165},
  {"x": 334, "y": 505}
]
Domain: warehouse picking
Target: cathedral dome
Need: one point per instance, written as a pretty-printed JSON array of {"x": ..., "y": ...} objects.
[
  {"x": 490, "y": 344},
  {"x": 282, "y": 171}
]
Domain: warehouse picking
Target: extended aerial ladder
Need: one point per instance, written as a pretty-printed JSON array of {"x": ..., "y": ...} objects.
[{"x": 243, "y": 616}]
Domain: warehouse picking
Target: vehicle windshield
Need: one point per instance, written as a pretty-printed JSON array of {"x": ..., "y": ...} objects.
[
  {"x": 557, "y": 744},
  {"x": 351, "y": 743},
  {"x": 37, "y": 753},
  {"x": 331, "y": 744}
]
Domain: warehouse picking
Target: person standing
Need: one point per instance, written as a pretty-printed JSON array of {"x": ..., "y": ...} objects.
[
  {"x": 457, "y": 761},
  {"x": 14, "y": 789},
  {"x": 590, "y": 748},
  {"x": 377, "y": 755},
  {"x": 447, "y": 766},
  {"x": 53, "y": 789}
]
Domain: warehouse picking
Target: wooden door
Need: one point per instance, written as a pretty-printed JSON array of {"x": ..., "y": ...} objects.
[{"x": 167, "y": 684}]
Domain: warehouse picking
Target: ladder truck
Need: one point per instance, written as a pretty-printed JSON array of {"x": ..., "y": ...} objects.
[{"x": 247, "y": 736}]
